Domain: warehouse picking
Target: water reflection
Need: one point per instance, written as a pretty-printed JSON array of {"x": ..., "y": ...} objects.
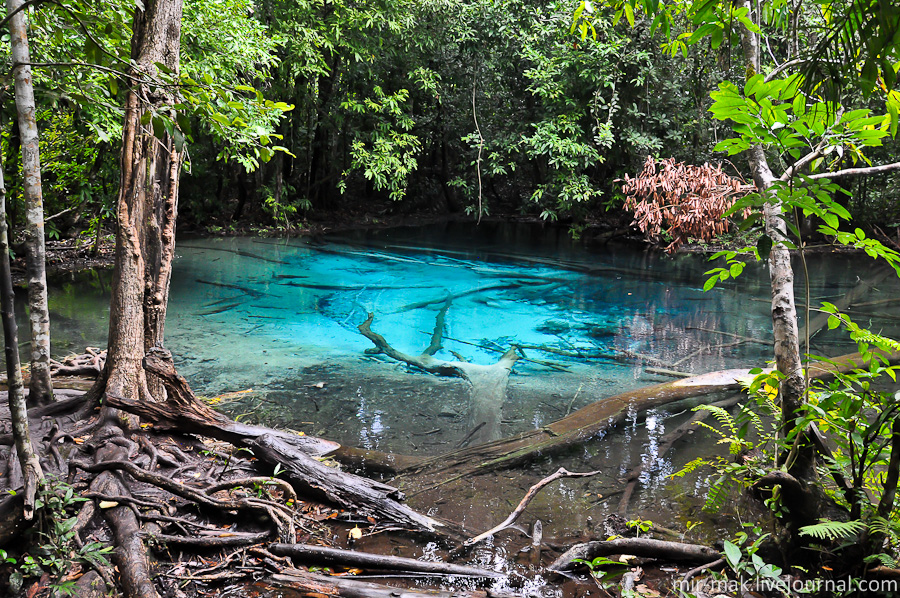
[{"x": 280, "y": 316}]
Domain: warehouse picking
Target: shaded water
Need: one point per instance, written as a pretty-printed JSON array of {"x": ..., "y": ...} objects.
[{"x": 280, "y": 317}]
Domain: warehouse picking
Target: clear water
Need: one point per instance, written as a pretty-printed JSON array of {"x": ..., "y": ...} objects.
[{"x": 280, "y": 317}]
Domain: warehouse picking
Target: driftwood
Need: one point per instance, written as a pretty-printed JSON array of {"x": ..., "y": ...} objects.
[
  {"x": 488, "y": 382},
  {"x": 532, "y": 492},
  {"x": 239, "y": 252},
  {"x": 589, "y": 422},
  {"x": 322, "y": 555},
  {"x": 642, "y": 547},
  {"x": 320, "y": 586},
  {"x": 363, "y": 495}
]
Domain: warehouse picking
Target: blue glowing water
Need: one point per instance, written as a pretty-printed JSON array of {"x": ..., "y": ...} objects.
[{"x": 280, "y": 316}]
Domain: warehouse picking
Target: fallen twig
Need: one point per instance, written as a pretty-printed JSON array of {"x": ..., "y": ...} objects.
[{"x": 532, "y": 492}]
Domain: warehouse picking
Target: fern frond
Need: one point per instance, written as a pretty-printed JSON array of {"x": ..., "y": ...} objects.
[
  {"x": 719, "y": 493},
  {"x": 885, "y": 527},
  {"x": 690, "y": 467},
  {"x": 833, "y": 530},
  {"x": 725, "y": 419},
  {"x": 885, "y": 560},
  {"x": 749, "y": 415}
]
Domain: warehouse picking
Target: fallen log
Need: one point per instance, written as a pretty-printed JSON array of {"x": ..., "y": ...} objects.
[
  {"x": 641, "y": 547},
  {"x": 589, "y": 422},
  {"x": 312, "y": 584},
  {"x": 366, "y": 497},
  {"x": 225, "y": 540},
  {"x": 323, "y": 555}
]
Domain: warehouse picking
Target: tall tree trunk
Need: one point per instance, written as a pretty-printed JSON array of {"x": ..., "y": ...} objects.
[
  {"x": 145, "y": 209},
  {"x": 41, "y": 388},
  {"x": 781, "y": 276},
  {"x": 31, "y": 466}
]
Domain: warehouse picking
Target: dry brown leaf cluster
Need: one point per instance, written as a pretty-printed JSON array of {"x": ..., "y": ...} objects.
[{"x": 683, "y": 199}]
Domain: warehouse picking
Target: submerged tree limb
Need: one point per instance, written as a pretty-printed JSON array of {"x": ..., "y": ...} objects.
[
  {"x": 488, "y": 381},
  {"x": 312, "y": 584},
  {"x": 665, "y": 444},
  {"x": 591, "y": 421}
]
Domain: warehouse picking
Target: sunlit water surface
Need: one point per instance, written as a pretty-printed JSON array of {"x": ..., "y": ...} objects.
[{"x": 280, "y": 317}]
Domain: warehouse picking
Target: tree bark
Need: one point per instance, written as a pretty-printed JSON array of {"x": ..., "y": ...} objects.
[
  {"x": 28, "y": 460},
  {"x": 41, "y": 387},
  {"x": 792, "y": 388},
  {"x": 146, "y": 208}
]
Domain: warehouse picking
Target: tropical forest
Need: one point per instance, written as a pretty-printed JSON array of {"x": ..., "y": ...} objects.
[{"x": 450, "y": 298}]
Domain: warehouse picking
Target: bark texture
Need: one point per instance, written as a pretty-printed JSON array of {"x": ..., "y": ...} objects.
[
  {"x": 28, "y": 460},
  {"x": 41, "y": 388},
  {"x": 145, "y": 209},
  {"x": 781, "y": 276}
]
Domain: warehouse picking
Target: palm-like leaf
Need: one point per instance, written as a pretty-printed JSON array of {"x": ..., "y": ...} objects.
[{"x": 861, "y": 36}]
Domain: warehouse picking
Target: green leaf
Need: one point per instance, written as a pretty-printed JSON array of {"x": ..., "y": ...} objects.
[
  {"x": 764, "y": 247},
  {"x": 710, "y": 283},
  {"x": 732, "y": 554},
  {"x": 159, "y": 127},
  {"x": 629, "y": 13}
]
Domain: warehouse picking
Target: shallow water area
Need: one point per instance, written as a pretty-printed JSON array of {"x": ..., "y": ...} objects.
[{"x": 280, "y": 317}]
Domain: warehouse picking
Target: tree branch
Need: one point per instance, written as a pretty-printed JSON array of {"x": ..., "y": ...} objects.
[
  {"x": 848, "y": 172},
  {"x": 22, "y": 7}
]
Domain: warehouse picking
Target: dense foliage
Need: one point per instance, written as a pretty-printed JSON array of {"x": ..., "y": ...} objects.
[{"x": 437, "y": 106}]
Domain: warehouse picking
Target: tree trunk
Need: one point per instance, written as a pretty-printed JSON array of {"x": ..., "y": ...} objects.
[
  {"x": 146, "y": 208},
  {"x": 781, "y": 274},
  {"x": 41, "y": 388},
  {"x": 31, "y": 466}
]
